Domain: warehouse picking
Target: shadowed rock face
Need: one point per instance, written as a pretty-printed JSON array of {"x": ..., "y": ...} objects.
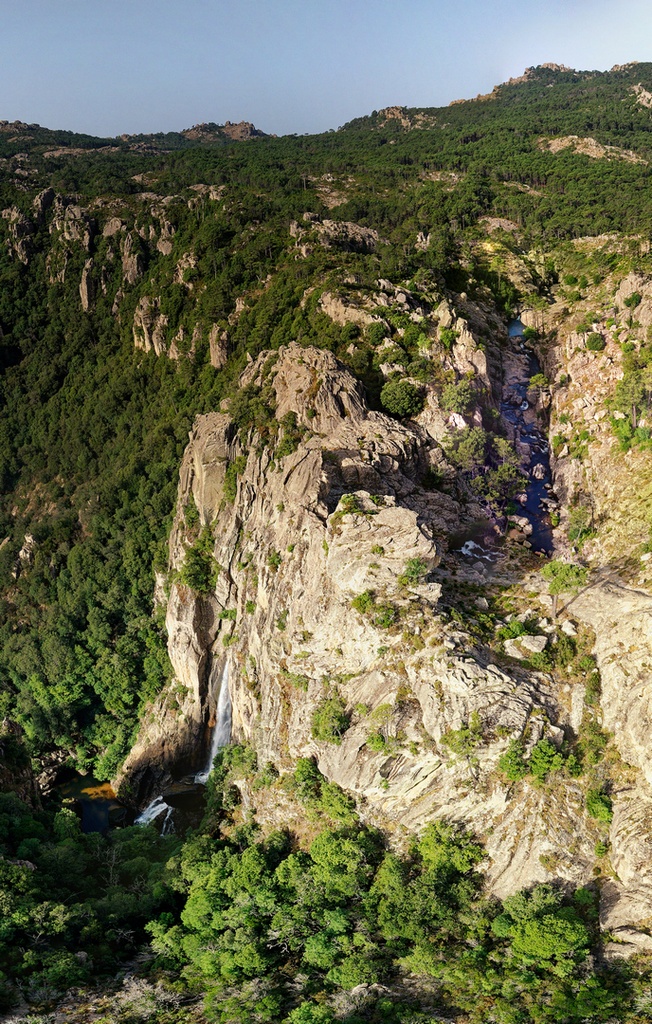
[{"x": 16, "y": 775}]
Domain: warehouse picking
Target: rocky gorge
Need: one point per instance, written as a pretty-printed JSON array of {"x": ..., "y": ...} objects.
[
  {"x": 297, "y": 543},
  {"x": 325, "y": 566}
]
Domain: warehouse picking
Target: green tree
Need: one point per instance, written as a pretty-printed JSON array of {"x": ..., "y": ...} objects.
[
  {"x": 458, "y": 397},
  {"x": 414, "y": 571},
  {"x": 329, "y": 720},
  {"x": 310, "y": 1013},
  {"x": 544, "y": 759},
  {"x": 401, "y": 398},
  {"x": 466, "y": 448},
  {"x": 563, "y": 578},
  {"x": 200, "y": 570},
  {"x": 544, "y": 934},
  {"x": 512, "y": 763},
  {"x": 595, "y": 342},
  {"x": 598, "y": 806},
  {"x": 447, "y": 337}
]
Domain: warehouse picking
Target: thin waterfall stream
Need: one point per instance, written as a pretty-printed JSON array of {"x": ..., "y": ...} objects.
[
  {"x": 221, "y": 735},
  {"x": 162, "y": 807}
]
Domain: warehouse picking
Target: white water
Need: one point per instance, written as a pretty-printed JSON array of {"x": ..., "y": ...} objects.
[
  {"x": 472, "y": 549},
  {"x": 221, "y": 737},
  {"x": 152, "y": 811},
  {"x": 222, "y": 729}
]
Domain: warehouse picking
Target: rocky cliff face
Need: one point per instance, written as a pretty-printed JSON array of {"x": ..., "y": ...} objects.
[
  {"x": 591, "y": 470},
  {"x": 315, "y": 611},
  {"x": 310, "y": 530},
  {"x": 605, "y": 492},
  {"x": 211, "y": 132},
  {"x": 622, "y": 620}
]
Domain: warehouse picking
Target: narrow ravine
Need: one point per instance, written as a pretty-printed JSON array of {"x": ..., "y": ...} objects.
[
  {"x": 523, "y": 418},
  {"x": 520, "y": 414}
]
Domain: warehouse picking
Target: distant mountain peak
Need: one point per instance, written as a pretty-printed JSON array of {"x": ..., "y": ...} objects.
[
  {"x": 625, "y": 67},
  {"x": 17, "y": 126},
  {"x": 554, "y": 67}
]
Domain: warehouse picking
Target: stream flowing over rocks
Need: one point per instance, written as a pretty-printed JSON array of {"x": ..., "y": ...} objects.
[{"x": 521, "y": 409}]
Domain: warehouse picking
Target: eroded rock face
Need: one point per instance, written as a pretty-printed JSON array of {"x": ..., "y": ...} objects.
[
  {"x": 86, "y": 288},
  {"x": 218, "y": 342},
  {"x": 165, "y": 244},
  {"x": 113, "y": 226},
  {"x": 150, "y": 326},
  {"x": 42, "y": 204},
  {"x": 615, "y": 483},
  {"x": 72, "y": 222},
  {"x": 132, "y": 263},
  {"x": 622, "y": 620},
  {"x": 346, "y": 235},
  {"x": 312, "y": 601},
  {"x": 343, "y": 313},
  {"x": 20, "y": 234},
  {"x": 210, "y": 132}
]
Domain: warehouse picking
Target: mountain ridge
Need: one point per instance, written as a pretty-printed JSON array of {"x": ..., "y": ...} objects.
[{"x": 240, "y": 131}]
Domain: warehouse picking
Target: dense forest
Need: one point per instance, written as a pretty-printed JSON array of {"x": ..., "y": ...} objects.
[
  {"x": 226, "y": 239},
  {"x": 266, "y": 931}
]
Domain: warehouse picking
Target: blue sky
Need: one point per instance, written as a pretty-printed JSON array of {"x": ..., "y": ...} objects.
[{"x": 111, "y": 66}]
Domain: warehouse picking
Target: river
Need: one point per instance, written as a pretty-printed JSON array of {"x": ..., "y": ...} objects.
[
  {"x": 97, "y": 805},
  {"x": 516, "y": 410},
  {"x": 479, "y": 543}
]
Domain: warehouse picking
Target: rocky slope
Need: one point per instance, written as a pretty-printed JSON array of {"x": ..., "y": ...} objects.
[
  {"x": 295, "y": 549},
  {"x": 600, "y": 483},
  {"x": 622, "y": 620},
  {"x": 299, "y": 540},
  {"x": 315, "y": 612}
]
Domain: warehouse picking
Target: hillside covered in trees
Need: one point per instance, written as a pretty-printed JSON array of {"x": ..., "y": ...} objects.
[{"x": 336, "y": 310}]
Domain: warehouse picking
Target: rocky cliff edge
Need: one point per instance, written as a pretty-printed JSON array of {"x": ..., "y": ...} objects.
[{"x": 336, "y": 649}]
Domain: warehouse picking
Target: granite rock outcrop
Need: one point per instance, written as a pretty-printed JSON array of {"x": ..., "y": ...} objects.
[{"x": 313, "y": 601}]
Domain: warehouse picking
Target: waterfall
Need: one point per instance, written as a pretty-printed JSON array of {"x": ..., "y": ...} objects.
[
  {"x": 221, "y": 736},
  {"x": 152, "y": 811}
]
